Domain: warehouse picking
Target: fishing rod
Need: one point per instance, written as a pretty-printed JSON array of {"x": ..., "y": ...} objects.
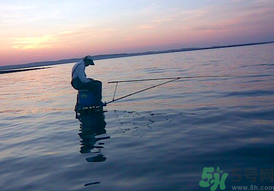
[
  {"x": 122, "y": 97},
  {"x": 171, "y": 79},
  {"x": 180, "y": 77}
]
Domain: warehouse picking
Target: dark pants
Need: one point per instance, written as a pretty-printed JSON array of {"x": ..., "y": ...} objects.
[{"x": 94, "y": 85}]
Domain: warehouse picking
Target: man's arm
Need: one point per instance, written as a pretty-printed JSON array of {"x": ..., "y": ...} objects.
[{"x": 82, "y": 75}]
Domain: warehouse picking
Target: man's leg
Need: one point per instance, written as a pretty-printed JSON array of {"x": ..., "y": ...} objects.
[
  {"x": 96, "y": 87},
  {"x": 98, "y": 90}
]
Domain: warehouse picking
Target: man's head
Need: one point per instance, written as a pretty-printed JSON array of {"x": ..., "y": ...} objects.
[{"x": 88, "y": 61}]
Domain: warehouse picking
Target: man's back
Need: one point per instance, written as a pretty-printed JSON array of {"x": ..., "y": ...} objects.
[{"x": 78, "y": 71}]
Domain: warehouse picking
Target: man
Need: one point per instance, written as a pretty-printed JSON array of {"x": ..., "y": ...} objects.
[{"x": 81, "y": 82}]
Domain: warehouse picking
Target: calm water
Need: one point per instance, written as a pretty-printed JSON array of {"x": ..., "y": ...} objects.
[{"x": 157, "y": 140}]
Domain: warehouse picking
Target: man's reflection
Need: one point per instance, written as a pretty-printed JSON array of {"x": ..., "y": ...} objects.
[{"x": 92, "y": 132}]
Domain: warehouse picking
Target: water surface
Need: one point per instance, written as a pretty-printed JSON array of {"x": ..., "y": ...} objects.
[{"x": 160, "y": 139}]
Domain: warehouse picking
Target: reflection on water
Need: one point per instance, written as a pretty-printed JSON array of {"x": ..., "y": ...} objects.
[{"x": 92, "y": 132}]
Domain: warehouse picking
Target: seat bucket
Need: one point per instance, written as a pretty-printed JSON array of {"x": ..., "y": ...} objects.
[{"x": 86, "y": 98}]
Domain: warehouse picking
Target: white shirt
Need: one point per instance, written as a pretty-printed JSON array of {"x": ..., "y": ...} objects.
[{"x": 78, "y": 70}]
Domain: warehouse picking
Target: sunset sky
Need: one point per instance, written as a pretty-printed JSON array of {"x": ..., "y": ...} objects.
[{"x": 45, "y": 30}]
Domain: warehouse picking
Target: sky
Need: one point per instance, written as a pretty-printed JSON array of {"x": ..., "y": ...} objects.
[{"x": 34, "y": 31}]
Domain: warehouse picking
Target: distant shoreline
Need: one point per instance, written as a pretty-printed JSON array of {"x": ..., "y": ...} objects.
[
  {"x": 21, "y": 70},
  {"x": 39, "y": 65}
]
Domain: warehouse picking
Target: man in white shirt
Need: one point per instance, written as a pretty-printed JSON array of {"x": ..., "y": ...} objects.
[{"x": 81, "y": 82}]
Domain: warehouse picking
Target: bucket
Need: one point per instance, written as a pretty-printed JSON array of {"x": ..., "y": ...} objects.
[{"x": 86, "y": 98}]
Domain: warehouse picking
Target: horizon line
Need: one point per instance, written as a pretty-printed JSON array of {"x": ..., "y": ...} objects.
[{"x": 120, "y": 55}]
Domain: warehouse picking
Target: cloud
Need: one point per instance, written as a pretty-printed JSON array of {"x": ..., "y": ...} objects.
[
  {"x": 247, "y": 16},
  {"x": 65, "y": 39},
  {"x": 145, "y": 27},
  {"x": 25, "y": 43}
]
